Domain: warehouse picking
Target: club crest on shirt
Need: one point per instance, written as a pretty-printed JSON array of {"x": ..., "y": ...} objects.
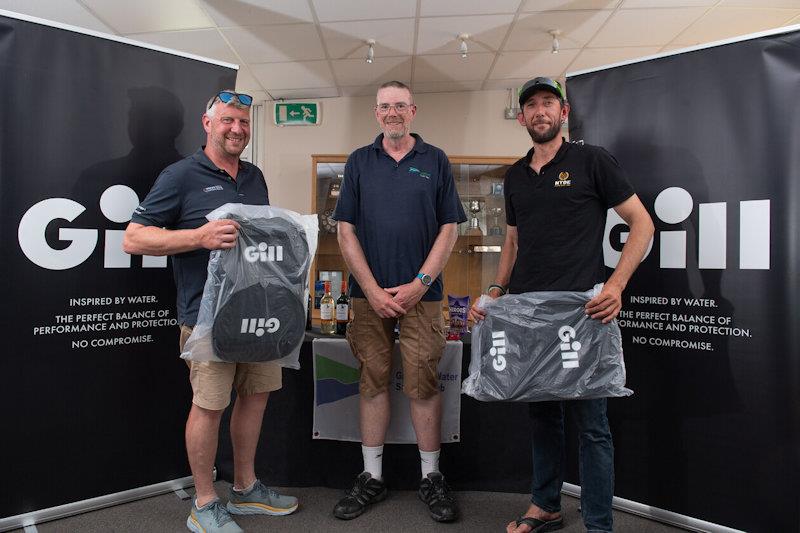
[
  {"x": 213, "y": 188},
  {"x": 563, "y": 180},
  {"x": 423, "y": 174}
]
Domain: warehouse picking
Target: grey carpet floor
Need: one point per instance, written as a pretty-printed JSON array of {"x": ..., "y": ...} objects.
[{"x": 401, "y": 512}]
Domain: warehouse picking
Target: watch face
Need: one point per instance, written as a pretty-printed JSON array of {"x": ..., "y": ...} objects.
[{"x": 426, "y": 279}]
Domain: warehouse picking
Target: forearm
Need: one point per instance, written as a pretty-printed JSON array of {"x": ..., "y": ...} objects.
[
  {"x": 440, "y": 252},
  {"x": 152, "y": 240},
  {"x": 641, "y": 231},
  {"x": 508, "y": 256},
  {"x": 354, "y": 258}
]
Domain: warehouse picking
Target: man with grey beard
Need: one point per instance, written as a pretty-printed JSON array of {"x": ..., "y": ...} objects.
[
  {"x": 397, "y": 215},
  {"x": 557, "y": 197}
]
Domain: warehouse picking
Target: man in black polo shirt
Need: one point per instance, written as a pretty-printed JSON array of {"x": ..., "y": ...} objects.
[
  {"x": 397, "y": 215},
  {"x": 171, "y": 221},
  {"x": 557, "y": 197}
]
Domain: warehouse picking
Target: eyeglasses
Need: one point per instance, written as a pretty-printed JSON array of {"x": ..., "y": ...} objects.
[
  {"x": 226, "y": 96},
  {"x": 400, "y": 107}
]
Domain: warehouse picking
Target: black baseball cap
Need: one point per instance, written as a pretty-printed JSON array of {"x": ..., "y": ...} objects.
[{"x": 540, "y": 84}]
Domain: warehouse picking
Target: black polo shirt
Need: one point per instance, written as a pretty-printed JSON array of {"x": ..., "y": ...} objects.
[
  {"x": 397, "y": 209},
  {"x": 181, "y": 197},
  {"x": 560, "y": 215}
]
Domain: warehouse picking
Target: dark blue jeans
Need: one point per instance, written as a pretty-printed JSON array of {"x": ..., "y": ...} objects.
[{"x": 596, "y": 458}]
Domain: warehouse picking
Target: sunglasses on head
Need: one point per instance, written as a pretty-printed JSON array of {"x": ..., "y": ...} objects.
[{"x": 226, "y": 96}]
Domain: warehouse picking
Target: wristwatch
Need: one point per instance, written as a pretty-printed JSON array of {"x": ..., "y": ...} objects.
[{"x": 425, "y": 279}]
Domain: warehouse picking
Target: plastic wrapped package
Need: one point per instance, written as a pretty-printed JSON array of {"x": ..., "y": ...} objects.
[
  {"x": 541, "y": 346},
  {"x": 255, "y": 298}
]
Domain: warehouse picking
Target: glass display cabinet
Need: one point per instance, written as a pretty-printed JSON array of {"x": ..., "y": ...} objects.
[{"x": 473, "y": 262}]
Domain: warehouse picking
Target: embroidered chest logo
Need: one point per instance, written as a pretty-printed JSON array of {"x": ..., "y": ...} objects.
[
  {"x": 563, "y": 180},
  {"x": 213, "y": 188},
  {"x": 422, "y": 173}
]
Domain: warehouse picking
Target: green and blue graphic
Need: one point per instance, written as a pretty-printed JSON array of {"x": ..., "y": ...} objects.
[{"x": 334, "y": 381}]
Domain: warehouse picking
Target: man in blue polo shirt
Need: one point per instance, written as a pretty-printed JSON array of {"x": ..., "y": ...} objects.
[
  {"x": 557, "y": 197},
  {"x": 171, "y": 221},
  {"x": 397, "y": 216}
]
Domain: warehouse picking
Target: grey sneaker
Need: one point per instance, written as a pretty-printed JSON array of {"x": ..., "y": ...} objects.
[
  {"x": 211, "y": 518},
  {"x": 261, "y": 500}
]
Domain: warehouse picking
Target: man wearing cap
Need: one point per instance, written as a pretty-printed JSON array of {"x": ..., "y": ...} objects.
[
  {"x": 557, "y": 197},
  {"x": 171, "y": 221},
  {"x": 397, "y": 215}
]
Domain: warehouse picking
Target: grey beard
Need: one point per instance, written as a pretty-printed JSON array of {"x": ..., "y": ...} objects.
[{"x": 395, "y": 134}]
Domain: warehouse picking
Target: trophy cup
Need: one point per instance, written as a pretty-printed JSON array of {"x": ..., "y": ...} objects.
[
  {"x": 475, "y": 207},
  {"x": 496, "y": 229}
]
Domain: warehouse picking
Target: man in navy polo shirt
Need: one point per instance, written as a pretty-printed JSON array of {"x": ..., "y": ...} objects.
[
  {"x": 397, "y": 216},
  {"x": 557, "y": 197},
  {"x": 171, "y": 221}
]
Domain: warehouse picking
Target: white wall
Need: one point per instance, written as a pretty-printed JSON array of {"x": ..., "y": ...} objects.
[{"x": 464, "y": 123}]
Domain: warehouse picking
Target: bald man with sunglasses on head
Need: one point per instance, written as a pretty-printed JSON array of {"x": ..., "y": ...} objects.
[{"x": 171, "y": 221}]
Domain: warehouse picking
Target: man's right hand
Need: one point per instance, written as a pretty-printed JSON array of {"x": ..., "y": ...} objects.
[
  {"x": 476, "y": 314},
  {"x": 218, "y": 234},
  {"x": 384, "y": 304}
]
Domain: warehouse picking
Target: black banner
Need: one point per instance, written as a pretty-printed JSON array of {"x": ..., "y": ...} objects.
[
  {"x": 710, "y": 322},
  {"x": 94, "y": 395}
]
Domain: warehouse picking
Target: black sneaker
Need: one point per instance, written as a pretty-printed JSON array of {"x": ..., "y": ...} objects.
[
  {"x": 365, "y": 491},
  {"x": 433, "y": 490}
]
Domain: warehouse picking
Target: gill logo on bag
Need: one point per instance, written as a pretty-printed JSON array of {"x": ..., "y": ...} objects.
[
  {"x": 569, "y": 347},
  {"x": 259, "y": 326},
  {"x": 263, "y": 252},
  {"x": 498, "y": 350}
]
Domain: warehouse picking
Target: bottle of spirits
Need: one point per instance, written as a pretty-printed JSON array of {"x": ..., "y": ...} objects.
[
  {"x": 342, "y": 311},
  {"x": 326, "y": 312}
]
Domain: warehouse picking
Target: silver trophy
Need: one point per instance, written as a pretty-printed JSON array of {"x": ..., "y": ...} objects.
[
  {"x": 475, "y": 207},
  {"x": 496, "y": 229}
]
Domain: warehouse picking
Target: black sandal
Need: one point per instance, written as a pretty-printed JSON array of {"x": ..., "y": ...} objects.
[{"x": 540, "y": 526}]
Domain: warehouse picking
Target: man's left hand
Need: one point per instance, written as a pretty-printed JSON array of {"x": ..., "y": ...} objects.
[
  {"x": 408, "y": 294},
  {"x": 606, "y": 305}
]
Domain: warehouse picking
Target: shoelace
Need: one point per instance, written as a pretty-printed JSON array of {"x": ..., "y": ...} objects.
[
  {"x": 221, "y": 515},
  {"x": 439, "y": 491}
]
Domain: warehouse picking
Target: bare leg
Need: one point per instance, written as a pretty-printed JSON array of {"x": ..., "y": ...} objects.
[
  {"x": 375, "y": 413},
  {"x": 246, "y": 418},
  {"x": 202, "y": 434},
  {"x": 426, "y": 416}
]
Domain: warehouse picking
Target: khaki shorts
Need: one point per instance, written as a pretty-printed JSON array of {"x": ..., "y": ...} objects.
[
  {"x": 422, "y": 343},
  {"x": 212, "y": 381}
]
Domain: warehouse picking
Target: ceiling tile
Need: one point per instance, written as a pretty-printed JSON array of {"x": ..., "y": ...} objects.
[
  {"x": 361, "y": 90},
  {"x": 511, "y": 83},
  {"x": 598, "y": 57},
  {"x": 452, "y": 67},
  {"x": 433, "y": 8},
  {"x": 257, "y": 12},
  {"x": 57, "y": 11},
  {"x": 440, "y": 34},
  {"x": 331, "y": 10},
  {"x": 245, "y": 81},
  {"x": 724, "y": 23},
  {"x": 359, "y": 72},
  {"x": 640, "y": 4},
  {"x": 577, "y": 28},
  {"x": 346, "y": 39},
  {"x": 445, "y": 86},
  {"x": 259, "y": 96},
  {"x": 531, "y": 64},
  {"x": 305, "y": 94},
  {"x": 790, "y": 4},
  {"x": 297, "y": 74},
  {"x": 264, "y": 44},
  {"x": 563, "y": 5},
  {"x": 144, "y": 16},
  {"x": 206, "y": 43},
  {"x": 645, "y": 27}
]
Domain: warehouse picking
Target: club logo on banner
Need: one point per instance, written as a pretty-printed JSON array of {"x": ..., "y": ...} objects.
[{"x": 336, "y": 376}]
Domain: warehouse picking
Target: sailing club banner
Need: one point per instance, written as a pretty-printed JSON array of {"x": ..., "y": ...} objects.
[
  {"x": 709, "y": 139},
  {"x": 336, "y": 404},
  {"x": 95, "y": 394}
]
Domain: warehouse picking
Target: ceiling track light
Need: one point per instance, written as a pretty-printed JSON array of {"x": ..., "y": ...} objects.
[
  {"x": 462, "y": 48},
  {"x": 370, "y": 51},
  {"x": 555, "y": 46}
]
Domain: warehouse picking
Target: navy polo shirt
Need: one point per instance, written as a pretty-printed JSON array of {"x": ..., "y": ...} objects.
[
  {"x": 397, "y": 209},
  {"x": 560, "y": 215},
  {"x": 181, "y": 197}
]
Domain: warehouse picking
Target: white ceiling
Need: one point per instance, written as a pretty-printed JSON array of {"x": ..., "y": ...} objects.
[{"x": 316, "y": 48}]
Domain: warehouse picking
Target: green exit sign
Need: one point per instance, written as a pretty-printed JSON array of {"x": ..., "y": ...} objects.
[{"x": 297, "y": 113}]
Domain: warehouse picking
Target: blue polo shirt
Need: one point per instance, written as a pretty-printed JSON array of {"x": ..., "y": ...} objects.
[
  {"x": 183, "y": 194},
  {"x": 397, "y": 209}
]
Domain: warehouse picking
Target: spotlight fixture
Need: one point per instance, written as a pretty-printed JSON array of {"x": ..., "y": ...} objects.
[
  {"x": 463, "y": 47},
  {"x": 555, "y": 46},
  {"x": 370, "y": 51}
]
